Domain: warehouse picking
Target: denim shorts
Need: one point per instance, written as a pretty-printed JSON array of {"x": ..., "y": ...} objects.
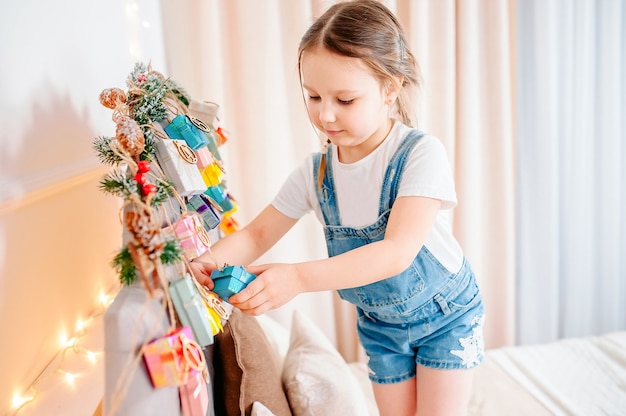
[{"x": 446, "y": 332}]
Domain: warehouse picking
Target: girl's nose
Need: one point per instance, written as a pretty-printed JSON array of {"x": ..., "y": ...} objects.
[{"x": 327, "y": 113}]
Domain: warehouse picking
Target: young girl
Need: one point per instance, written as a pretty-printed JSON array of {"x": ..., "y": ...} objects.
[{"x": 382, "y": 190}]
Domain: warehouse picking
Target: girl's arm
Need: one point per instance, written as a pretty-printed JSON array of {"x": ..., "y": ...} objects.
[
  {"x": 244, "y": 246},
  {"x": 410, "y": 222}
]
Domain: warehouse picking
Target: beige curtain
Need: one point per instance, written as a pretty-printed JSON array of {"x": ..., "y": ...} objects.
[{"x": 242, "y": 55}]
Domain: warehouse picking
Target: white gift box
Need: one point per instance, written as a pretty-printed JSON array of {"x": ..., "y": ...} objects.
[{"x": 178, "y": 162}]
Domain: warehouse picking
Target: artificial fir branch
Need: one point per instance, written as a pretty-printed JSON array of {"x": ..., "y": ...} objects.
[
  {"x": 149, "y": 107},
  {"x": 180, "y": 93},
  {"x": 101, "y": 145},
  {"x": 172, "y": 252},
  {"x": 149, "y": 151},
  {"x": 124, "y": 265},
  {"x": 163, "y": 193},
  {"x": 119, "y": 184}
]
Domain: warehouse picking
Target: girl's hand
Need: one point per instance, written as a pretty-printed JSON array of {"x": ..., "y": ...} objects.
[
  {"x": 202, "y": 272},
  {"x": 275, "y": 285}
]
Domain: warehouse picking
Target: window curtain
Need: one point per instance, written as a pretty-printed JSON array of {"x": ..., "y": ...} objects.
[
  {"x": 242, "y": 54},
  {"x": 571, "y": 179}
]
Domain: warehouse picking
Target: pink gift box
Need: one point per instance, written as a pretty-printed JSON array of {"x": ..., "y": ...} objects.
[
  {"x": 166, "y": 361},
  {"x": 205, "y": 158},
  {"x": 194, "y": 396},
  {"x": 194, "y": 238}
]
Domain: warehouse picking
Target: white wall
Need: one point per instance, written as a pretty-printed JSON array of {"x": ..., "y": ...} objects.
[{"x": 58, "y": 232}]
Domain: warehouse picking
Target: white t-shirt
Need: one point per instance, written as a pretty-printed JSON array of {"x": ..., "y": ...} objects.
[{"x": 358, "y": 186}]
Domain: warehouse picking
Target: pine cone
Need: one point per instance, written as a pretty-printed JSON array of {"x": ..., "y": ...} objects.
[
  {"x": 112, "y": 97},
  {"x": 146, "y": 231},
  {"x": 130, "y": 136}
]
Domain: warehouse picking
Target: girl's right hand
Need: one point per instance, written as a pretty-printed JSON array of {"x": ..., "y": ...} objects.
[{"x": 202, "y": 272}]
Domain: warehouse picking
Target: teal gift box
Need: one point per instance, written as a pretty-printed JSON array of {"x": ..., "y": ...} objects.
[
  {"x": 182, "y": 128},
  {"x": 218, "y": 194},
  {"x": 230, "y": 280},
  {"x": 191, "y": 309}
]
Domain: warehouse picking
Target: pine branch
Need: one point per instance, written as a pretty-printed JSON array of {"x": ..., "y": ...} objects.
[
  {"x": 118, "y": 183},
  {"x": 101, "y": 146},
  {"x": 178, "y": 91},
  {"x": 125, "y": 267},
  {"x": 172, "y": 252},
  {"x": 149, "y": 152}
]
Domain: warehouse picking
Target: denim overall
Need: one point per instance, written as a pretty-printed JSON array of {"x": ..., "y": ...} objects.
[{"x": 401, "y": 318}]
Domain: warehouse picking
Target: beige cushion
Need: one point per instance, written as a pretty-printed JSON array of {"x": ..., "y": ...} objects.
[
  {"x": 317, "y": 379},
  {"x": 259, "y": 409},
  {"x": 246, "y": 369}
]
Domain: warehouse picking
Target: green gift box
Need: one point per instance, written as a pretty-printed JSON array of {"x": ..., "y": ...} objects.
[{"x": 191, "y": 309}]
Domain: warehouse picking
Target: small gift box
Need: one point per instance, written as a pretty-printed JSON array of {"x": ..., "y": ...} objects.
[
  {"x": 179, "y": 165},
  {"x": 191, "y": 309},
  {"x": 225, "y": 288},
  {"x": 230, "y": 280},
  {"x": 205, "y": 158},
  {"x": 229, "y": 225},
  {"x": 212, "y": 174},
  {"x": 204, "y": 208},
  {"x": 193, "y": 237},
  {"x": 218, "y": 194},
  {"x": 194, "y": 396},
  {"x": 219, "y": 311},
  {"x": 183, "y": 128},
  {"x": 171, "y": 359},
  {"x": 204, "y": 110},
  {"x": 236, "y": 272},
  {"x": 221, "y": 136},
  {"x": 214, "y": 144}
]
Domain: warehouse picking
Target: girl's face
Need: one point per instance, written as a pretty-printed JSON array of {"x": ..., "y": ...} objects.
[{"x": 345, "y": 102}]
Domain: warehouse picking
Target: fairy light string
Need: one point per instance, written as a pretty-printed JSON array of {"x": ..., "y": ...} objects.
[{"x": 55, "y": 367}]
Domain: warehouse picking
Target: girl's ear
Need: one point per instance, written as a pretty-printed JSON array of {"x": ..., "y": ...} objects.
[{"x": 392, "y": 89}]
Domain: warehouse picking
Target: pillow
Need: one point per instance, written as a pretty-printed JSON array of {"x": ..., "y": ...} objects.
[
  {"x": 277, "y": 335},
  {"x": 258, "y": 409},
  {"x": 316, "y": 378},
  {"x": 246, "y": 370},
  {"x": 360, "y": 372}
]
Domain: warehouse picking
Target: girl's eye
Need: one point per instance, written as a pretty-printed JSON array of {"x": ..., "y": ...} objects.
[
  {"x": 345, "y": 102},
  {"x": 314, "y": 98}
]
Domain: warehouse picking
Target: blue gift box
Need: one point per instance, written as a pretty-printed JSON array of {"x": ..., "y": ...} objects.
[
  {"x": 238, "y": 272},
  {"x": 191, "y": 309},
  {"x": 230, "y": 280},
  {"x": 227, "y": 287},
  {"x": 181, "y": 128},
  {"x": 218, "y": 194},
  {"x": 202, "y": 206}
]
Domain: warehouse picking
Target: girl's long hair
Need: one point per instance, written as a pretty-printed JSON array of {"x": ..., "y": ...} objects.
[{"x": 367, "y": 30}]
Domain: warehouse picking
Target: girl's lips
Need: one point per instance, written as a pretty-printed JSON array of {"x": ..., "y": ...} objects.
[{"x": 333, "y": 132}]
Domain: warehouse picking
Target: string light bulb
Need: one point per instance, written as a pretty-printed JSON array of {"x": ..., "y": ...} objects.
[{"x": 72, "y": 343}]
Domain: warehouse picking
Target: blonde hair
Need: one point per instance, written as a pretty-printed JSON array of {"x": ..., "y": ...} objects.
[{"x": 367, "y": 30}]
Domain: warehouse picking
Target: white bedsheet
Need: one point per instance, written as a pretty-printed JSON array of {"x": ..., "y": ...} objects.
[{"x": 582, "y": 376}]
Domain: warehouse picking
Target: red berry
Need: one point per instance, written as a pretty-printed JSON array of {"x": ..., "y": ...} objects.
[
  {"x": 140, "y": 178},
  {"x": 143, "y": 166},
  {"x": 148, "y": 188}
]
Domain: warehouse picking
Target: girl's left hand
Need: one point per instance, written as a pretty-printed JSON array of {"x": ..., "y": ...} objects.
[{"x": 275, "y": 285}]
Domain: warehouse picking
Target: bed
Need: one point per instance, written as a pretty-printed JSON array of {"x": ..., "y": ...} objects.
[{"x": 259, "y": 367}]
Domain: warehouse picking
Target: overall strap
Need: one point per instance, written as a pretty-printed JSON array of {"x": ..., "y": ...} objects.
[
  {"x": 326, "y": 195},
  {"x": 393, "y": 175}
]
